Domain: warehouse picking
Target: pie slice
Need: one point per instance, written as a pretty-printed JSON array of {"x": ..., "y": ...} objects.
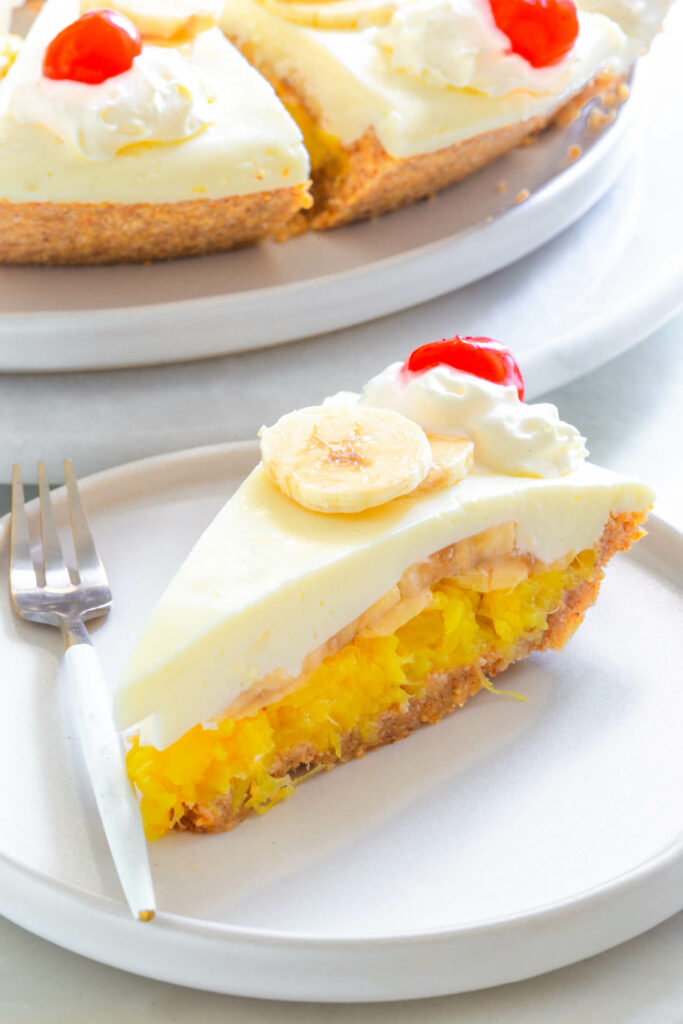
[
  {"x": 391, "y": 554},
  {"x": 399, "y": 99},
  {"x": 180, "y": 149}
]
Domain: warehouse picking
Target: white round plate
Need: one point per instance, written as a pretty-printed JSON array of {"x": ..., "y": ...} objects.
[
  {"x": 70, "y": 318},
  {"x": 508, "y": 840}
]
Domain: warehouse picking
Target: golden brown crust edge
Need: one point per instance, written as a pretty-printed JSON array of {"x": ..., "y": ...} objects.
[
  {"x": 446, "y": 692},
  {"x": 88, "y": 233},
  {"x": 373, "y": 182}
]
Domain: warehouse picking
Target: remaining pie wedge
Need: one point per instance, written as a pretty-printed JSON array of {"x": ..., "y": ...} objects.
[
  {"x": 400, "y": 98},
  {"x": 392, "y": 552},
  {"x": 116, "y": 145}
]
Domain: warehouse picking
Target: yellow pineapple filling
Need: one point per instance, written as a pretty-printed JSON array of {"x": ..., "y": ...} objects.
[
  {"x": 347, "y": 692},
  {"x": 324, "y": 149},
  {"x": 9, "y": 48}
]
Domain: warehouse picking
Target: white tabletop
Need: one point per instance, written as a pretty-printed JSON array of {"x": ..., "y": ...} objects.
[{"x": 631, "y": 412}]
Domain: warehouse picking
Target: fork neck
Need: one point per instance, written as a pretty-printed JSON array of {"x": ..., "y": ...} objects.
[{"x": 75, "y": 632}]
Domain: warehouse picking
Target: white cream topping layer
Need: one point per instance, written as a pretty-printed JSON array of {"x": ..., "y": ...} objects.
[
  {"x": 251, "y": 145},
  {"x": 269, "y": 581},
  {"x": 349, "y": 79},
  {"x": 457, "y": 43},
  {"x": 162, "y": 98},
  {"x": 509, "y": 436}
]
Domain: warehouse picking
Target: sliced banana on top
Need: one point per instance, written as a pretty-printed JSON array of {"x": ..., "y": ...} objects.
[
  {"x": 338, "y": 458},
  {"x": 166, "y": 19},
  {"x": 452, "y": 459},
  {"x": 333, "y": 14}
]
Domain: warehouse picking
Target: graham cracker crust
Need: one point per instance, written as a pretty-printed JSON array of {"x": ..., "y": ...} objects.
[
  {"x": 373, "y": 182},
  {"x": 446, "y": 691},
  {"x": 364, "y": 181},
  {"x": 88, "y": 233},
  {"x": 364, "y": 184}
]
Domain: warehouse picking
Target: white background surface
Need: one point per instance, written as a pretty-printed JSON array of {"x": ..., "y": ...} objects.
[{"x": 631, "y": 411}]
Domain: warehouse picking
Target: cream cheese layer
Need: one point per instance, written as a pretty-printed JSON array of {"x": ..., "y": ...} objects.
[
  {"x": 349, "y": 79},
  {"x": 269, "y": 581},
  {"x": 250, "y": 144}
]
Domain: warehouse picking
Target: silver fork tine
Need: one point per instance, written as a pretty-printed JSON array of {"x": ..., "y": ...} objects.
[
  {"x": 22, "y": 570},
  {"x": 90, "y": 568},
  {"x": 56, "y": 573},
  {"x": 67, "y": 603}
]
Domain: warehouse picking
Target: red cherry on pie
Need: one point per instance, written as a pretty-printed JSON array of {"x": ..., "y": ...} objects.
[
  {"x": 99, "y": 45},
  {"x": 481, "y": 357},
  {"x": 541, "y": 31}
]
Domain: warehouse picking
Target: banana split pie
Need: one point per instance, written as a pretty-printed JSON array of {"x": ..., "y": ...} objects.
[{"x": 393, "y": 551}]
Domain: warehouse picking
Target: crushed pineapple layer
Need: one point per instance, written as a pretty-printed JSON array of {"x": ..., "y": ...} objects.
[
  {"x": 9, "y": 48},
  {"x": 324, "y": 149},
  {"x": 347, "y": 692}
]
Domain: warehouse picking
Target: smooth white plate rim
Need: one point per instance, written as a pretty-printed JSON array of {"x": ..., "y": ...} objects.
[
  {"x": 145, "y": 334},
  {"x": 63, "y": 913}
]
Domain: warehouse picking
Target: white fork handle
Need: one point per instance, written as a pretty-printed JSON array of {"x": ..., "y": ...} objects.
[{"x": 116, "y": 800}]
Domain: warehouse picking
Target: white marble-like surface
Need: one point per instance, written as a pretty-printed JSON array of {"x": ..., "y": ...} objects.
[{"x": 632, "y": 412}]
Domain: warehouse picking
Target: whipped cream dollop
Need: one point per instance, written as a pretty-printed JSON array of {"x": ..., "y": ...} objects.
[
  {"x": 161, "y": 98},
  {"x": 509, "y": 436},
  {"x": 456, "y": 43}
]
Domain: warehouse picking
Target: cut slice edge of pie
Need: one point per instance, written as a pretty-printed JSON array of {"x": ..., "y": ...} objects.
[
  {"x": 399, "y": 100},
  {"x": 188, "y": 151},
  {"x": 292, "y": 640}
]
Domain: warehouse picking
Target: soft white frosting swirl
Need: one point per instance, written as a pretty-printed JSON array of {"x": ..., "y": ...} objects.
[
  {"x": 509, "y": 436},
  {"x": 456, "y": 43},
  {"x": 160, "y": 99}
]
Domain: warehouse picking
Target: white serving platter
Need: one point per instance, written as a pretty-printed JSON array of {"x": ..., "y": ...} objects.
[
  {"x": 506, "y": 841},
  {"x": 64, "y": 318}
]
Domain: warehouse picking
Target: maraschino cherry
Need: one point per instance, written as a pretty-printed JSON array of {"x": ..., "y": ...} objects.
[
  {"x": 541, "y": 31},
  {"x": 481, "y": 357},
  {"x": 99, "y": 45}
]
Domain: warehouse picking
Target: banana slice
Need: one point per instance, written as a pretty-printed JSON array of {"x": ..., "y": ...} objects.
[
  {"x": 338, "y": 458},
  {"x": 333, "y": 14},
  {"x": 503, "y": 573},
  {"x": 452, "y": 459},
  {"x": 166, "y": 19}
]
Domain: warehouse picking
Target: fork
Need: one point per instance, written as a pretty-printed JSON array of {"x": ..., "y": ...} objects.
[{"x": 52, "y": 593}]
